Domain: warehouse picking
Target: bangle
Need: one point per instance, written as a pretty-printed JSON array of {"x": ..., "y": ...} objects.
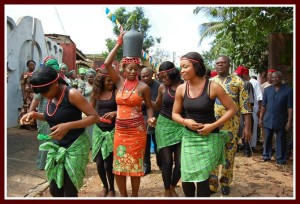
[{"x": 183, "y": 122}]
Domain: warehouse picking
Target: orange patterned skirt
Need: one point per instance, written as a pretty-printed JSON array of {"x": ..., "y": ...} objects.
[{"x": 129, "y": 150}]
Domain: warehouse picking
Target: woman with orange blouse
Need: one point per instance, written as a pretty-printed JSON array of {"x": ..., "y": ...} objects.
[{"x": 130, "y": 130}]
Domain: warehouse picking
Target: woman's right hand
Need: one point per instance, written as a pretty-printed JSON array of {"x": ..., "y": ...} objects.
[
  {"x": 191, "y": 124},
  {"x": 152, "y": 121},
  {"x": 59, "y": 131},
  {"x": 25, "y": 120}
]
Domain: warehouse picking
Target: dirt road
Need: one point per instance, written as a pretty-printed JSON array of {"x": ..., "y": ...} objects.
[{"x": 252, "y": 178}]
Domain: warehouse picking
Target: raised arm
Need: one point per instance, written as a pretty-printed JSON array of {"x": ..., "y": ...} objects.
[{"x": 110, "y": 58}]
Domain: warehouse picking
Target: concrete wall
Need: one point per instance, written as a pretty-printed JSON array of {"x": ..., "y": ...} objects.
[{"x": 25, "y": 41}]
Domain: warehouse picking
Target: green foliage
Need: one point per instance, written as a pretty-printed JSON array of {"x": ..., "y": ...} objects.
[
  {"x": 242, "y": 32},
  {"x": 208, "y": 58}
]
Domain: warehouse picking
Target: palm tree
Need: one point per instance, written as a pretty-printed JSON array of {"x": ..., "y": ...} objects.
[{"x": 209, "y": 29}]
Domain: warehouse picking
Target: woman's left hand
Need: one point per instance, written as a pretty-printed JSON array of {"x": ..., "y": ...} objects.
[
  {"x": 59, "y": 131},
  {"x": 204, "y": 129},
  {"x": 151, "y": 121}
]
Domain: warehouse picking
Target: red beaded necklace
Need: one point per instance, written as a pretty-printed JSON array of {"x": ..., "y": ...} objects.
[
  {"x": 130, "y": 86},
  {"x": 59, "y": 101},
  {"x": 200, "y": 92}
]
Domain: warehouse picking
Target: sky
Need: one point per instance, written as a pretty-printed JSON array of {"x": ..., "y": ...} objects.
[{"x": 88, "y": 25}]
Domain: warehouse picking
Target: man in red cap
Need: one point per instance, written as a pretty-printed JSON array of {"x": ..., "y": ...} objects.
[
  {"x": 240, "y": 70},
  {"x": 256, "y": 103}
]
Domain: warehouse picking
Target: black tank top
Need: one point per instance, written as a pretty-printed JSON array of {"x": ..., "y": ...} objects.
[
  {"x": 66, "y": 112},
  {"x": 167, "y": 103},
  {"x": 105, "y": 106},
  {"x": 201, "y": 108}
]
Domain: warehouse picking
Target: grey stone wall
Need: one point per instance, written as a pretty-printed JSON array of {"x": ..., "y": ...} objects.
[{"x": 25, "y": 40}]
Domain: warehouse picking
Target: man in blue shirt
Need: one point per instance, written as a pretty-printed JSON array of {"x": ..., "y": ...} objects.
[{"x": 276, "y": 117}]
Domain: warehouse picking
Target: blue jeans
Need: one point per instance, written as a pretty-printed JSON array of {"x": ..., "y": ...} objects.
[{"x": 280, "y": 145}]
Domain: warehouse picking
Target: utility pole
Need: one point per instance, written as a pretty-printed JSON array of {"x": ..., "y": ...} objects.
[{"x": 174, "y": 56}]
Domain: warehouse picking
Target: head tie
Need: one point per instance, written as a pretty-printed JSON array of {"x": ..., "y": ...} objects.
[
  {"x": 63, "y": 65},
  {"x": 47, "y": 58},
  {"x": 82, "y": 70},
  {"x": 52, "y": 63}
]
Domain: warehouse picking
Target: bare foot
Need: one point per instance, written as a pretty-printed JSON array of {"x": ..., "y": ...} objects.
[
  {"x": 103, "y": 193},
  {"x": 111, "y": 194},
  {"x": 173, "y": 192},
  {"x": 168, "y": 193}
]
